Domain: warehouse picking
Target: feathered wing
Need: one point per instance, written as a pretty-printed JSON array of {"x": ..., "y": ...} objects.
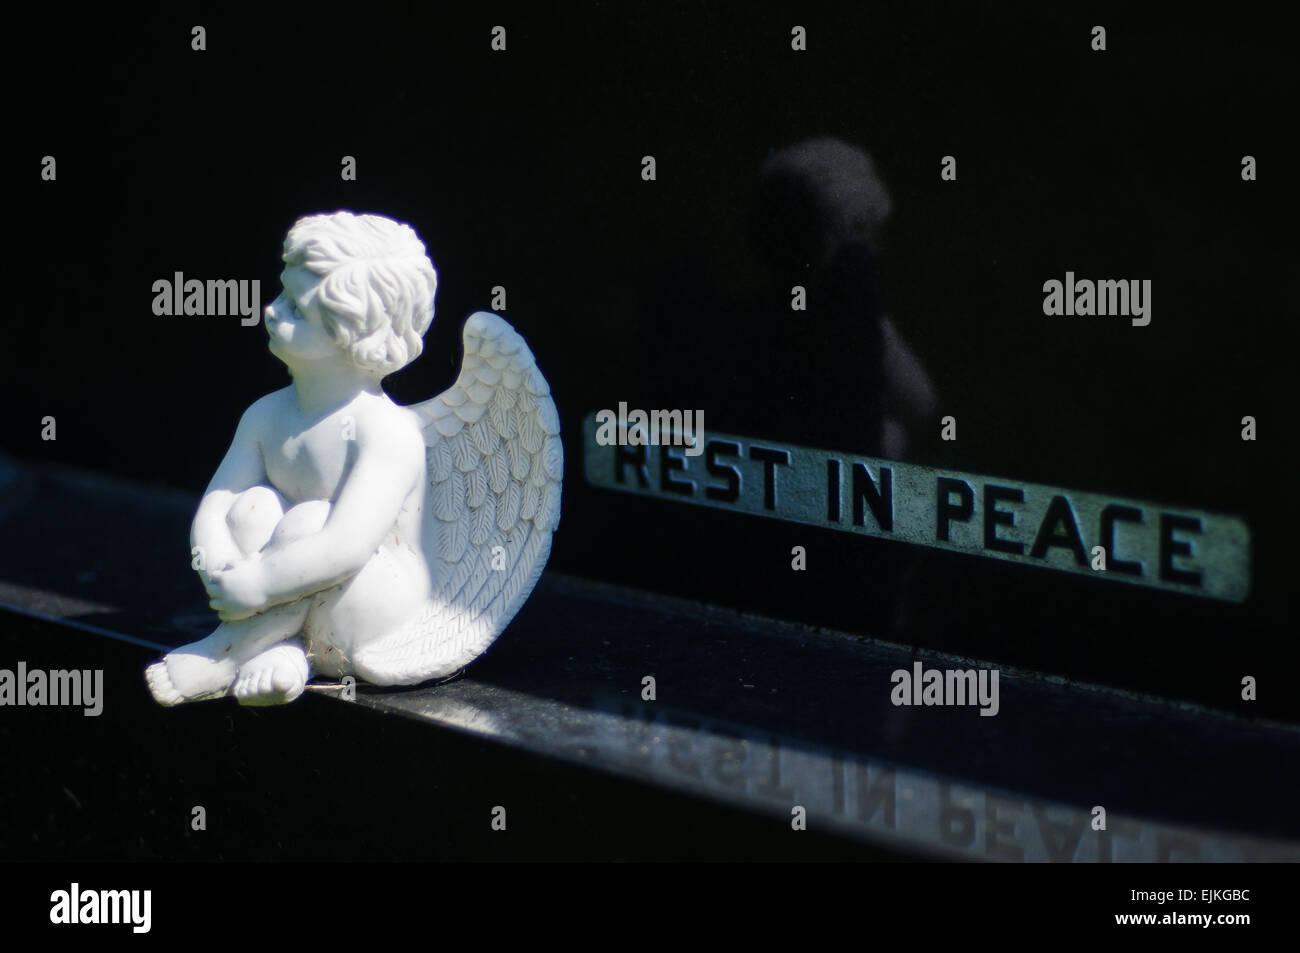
[{"x": 495, "y": 469}]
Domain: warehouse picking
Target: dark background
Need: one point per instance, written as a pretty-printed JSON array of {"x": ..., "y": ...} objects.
[{"x": 523, "y": 169}]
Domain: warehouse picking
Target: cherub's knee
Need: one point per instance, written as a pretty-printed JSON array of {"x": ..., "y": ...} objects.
[
  {"x": 253, "y": 517},
  {"x": 305, "y": 519}
]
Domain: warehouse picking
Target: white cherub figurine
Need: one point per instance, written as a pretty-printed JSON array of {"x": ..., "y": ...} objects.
[{"x": 345, "y": 535}]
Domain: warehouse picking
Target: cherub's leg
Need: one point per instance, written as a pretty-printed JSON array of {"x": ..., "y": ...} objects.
[
  {"x": 253, "y": 518},
  {"x": 279, "y": 674},
  {"x": 274, "y": 676},
  {"x": 209, "y": 668}
]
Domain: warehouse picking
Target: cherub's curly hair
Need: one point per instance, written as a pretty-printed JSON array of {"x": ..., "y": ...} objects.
[{"x": 377, "y": 284}]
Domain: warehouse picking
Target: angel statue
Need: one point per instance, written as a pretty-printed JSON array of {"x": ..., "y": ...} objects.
[{"x": 345, "y": 535}]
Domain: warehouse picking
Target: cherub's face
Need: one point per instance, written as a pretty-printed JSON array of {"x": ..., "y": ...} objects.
[{"x": 293, "y": 320}]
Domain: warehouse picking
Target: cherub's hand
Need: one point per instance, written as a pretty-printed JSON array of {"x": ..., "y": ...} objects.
[
  {"x": 217, "y": 561},
  {"x": 237, "y": 592}
]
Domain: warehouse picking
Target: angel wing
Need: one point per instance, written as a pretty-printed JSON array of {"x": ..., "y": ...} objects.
[{"x": 495, "y": 466}]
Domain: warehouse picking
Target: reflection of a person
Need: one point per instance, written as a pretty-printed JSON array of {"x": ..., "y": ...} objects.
[
  {"x": 835, "y": 376},
  {"x": 818, "y": 212},
  {"x": 846, "y": 378}
]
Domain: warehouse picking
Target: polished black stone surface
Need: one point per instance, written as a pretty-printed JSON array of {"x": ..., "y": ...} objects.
[{"x": 750, "y": 713}]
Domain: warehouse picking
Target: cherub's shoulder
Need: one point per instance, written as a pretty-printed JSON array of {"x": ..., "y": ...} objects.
[
  {"x": 380, "y": 411},
  {"x": 273, "y": 401},
  {"x": 267, "y": 408},
  {"x": 380, "y": 421}
]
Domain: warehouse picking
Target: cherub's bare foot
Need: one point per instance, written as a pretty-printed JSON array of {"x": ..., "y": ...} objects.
[
  {"x": 273, "y": 677},
  {"x": 193, "y": 672}
]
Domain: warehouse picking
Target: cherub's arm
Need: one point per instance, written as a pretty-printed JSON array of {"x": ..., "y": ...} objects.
[
  {"x": 241, "y": 469},
  {"x": 388, "y": 462}
]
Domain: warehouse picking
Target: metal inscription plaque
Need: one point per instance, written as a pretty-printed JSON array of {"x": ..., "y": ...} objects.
[{"x": 1148, "y": 544}]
